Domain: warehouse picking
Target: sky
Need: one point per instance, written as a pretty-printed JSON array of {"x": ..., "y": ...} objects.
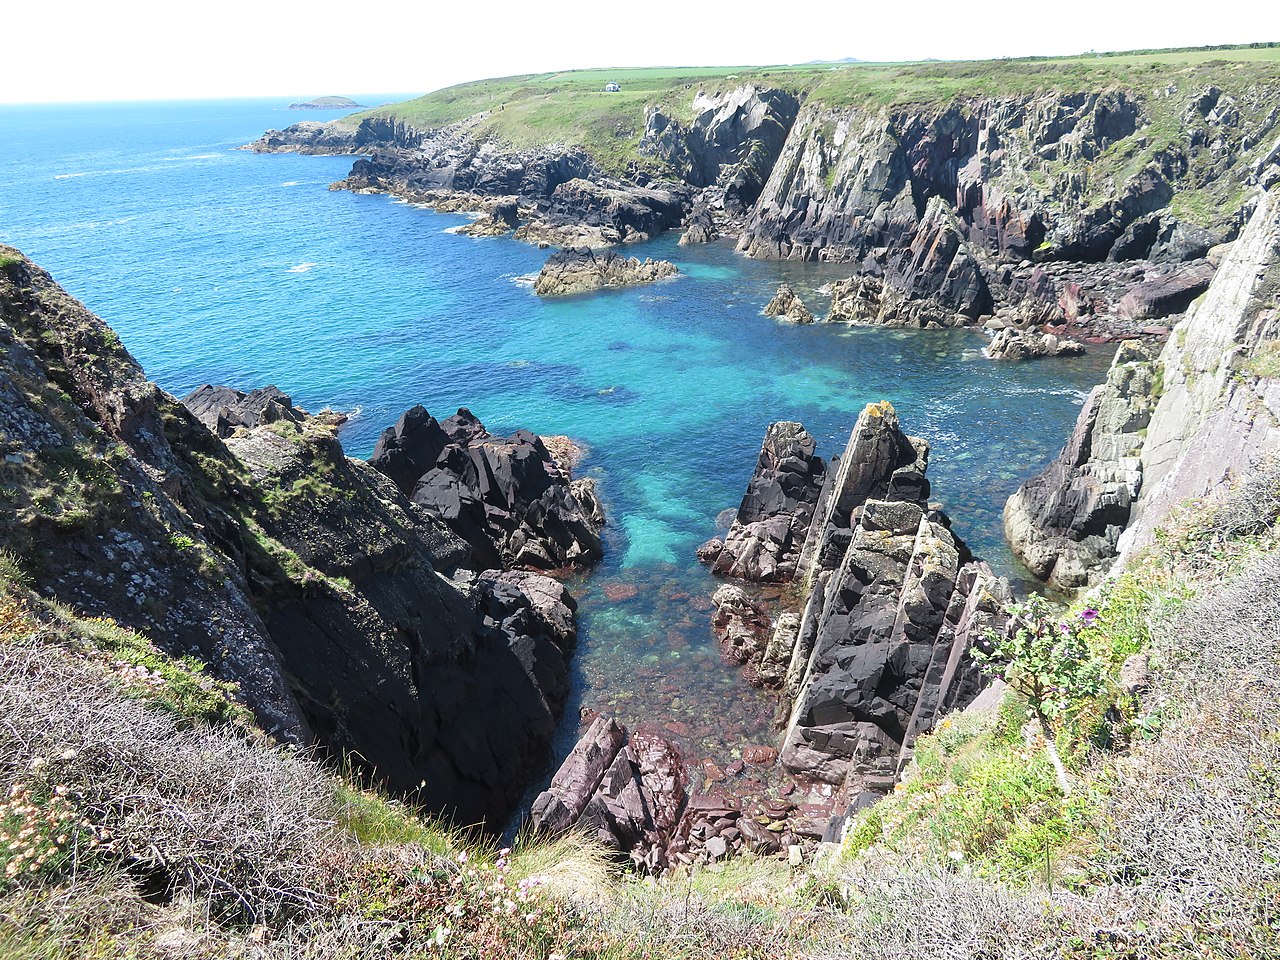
[{"x": 83, "y": 50}]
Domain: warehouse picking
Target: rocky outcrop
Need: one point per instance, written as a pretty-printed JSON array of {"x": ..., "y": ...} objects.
[
  {"x": 699, "y": 226},
  {"x": 256, "y": 546},
  {"x": 581, "y": 270},
  {"x": 327, "y": 103},
  {"x": 1065, "y": 523},
  {"x": 627, "y": 791},
  {"x": 894, "y": 603},
  {"x": 1013, "y": 344},
  {"x": 507, "y": 497},
  {"x": 730, "y": 146},
  {"x": 1219, "y": 409},
  {"x": 502, "y": 218},
  {"x": 586, "y": 213},
  {"x": 787, "y": 306},
  {"x": 769, "y": 530}
]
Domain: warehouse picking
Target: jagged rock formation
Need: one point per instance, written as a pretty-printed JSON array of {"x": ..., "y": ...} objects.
[
  {"x": 1065, "y": 523},
  {"x": 772, "y": 522},
  {"x": 787, "y": 306},
  {"x": 699, "y": 226},
  {"x": 581, "y": 270},
  {"x": 895, "y": 602},
  {"x": 729, "y": 147},
  {"x": 627, "y": 791},
  {"x": 1012, "y": 344},
  {"x": 501, "y": 219},
  {"x": 587, "y": 213},
  {"x": 507, "y": 497},
  {"x": 255, "y": 545}
]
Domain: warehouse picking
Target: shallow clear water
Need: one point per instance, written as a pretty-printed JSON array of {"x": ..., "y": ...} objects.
[{"x": 217, "y": 265}]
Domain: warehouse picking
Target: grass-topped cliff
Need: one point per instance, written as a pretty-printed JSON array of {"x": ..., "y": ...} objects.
[{"x": 572, "y": 108}]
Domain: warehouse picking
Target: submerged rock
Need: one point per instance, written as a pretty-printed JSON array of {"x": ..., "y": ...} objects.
[
  {"x": 787, "y": 306},
  {"x": 507, "y": 497},
  {"x": 580, "y": 270}
]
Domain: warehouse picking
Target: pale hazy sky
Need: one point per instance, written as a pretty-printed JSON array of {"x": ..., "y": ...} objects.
[{"x": 73, "y": 50}]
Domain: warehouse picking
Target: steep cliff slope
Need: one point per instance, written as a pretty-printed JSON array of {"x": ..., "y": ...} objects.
[
  {"x": 257, "y": 546},
  {"x": 1163, "y": 432}
]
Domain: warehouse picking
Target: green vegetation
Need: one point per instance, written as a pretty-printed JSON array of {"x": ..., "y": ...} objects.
[
  {"x": 1265, "y": 362},
  {"x": 572, "y": 109}
]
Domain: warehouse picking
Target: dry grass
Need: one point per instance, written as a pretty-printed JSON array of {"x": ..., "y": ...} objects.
[{"x": 203, "y": 813}]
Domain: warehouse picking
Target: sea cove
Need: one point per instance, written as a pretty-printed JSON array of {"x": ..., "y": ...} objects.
[{"x": 216, "y": 265}]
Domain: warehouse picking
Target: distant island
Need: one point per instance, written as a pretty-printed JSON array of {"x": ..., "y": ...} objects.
[{"x": 327, "y": 103}]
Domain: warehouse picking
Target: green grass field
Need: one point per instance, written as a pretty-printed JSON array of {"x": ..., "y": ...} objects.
[{"x": 572, "y": 109}]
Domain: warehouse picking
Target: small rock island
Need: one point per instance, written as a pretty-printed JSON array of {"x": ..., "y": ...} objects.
[{"x": 327, "y": 103}]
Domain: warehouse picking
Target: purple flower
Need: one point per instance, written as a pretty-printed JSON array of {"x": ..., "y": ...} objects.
[{"x": 1088, "y": 615}]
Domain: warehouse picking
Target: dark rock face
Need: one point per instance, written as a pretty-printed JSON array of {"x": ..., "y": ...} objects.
[
  {"x": 580, "y": 270},
  {"x": 772, "y": 522},
  {"x": 935, "y": 281},
  {"x": 1065, "y": 523},
  {"x": 787, "y": 306},
  {"x": 741, "y": 626},
  {"x": 699, "y": 227},
  {"x": 505, "y": 496},
  {"x": 1011, "y": 344},
  {"x": 1167, "y": 293},
  {"x": 584, "y": 211},
  {"x": 307, "y": 578},
  {"x": 731, "y": 145},
  {"x": 629, "y": 792}
]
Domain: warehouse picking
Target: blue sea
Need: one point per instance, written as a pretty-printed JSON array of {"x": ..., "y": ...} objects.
[{"x": 216, "y": 265}]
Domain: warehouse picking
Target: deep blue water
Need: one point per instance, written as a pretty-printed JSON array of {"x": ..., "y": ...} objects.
[{"x": 218, "y": 265}]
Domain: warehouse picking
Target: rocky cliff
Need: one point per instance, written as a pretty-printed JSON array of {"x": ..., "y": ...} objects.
[
  {"x": 1160, "y": 433},
  {"x": 939, "y": 203},
  {"x": 237, "y": 531}
]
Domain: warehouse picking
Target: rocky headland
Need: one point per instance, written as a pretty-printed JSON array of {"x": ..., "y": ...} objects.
[
  {"x": 327, "y": 103},
  {"x": 1061, "y": 208}
]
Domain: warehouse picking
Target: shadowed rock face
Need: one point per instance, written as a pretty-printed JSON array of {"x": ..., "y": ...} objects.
[
  {"x": 239, "y": 533},
  {"x": 505, "y": 496},
  {"x": 771, "y": 525}
]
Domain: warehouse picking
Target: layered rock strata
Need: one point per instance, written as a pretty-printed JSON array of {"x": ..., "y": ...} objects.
[
  {"x": 581, "y": 270},
  {"x": 895, "y": 603},
  {"x": 1065, "y": 523},
  {"x": 772, "y": 522},
  {"x": 507, "y": 497},
  {"x": 237, "y": 532}
]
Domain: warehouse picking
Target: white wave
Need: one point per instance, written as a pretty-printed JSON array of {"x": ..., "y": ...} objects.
[
  {"x": 525, "y": 279},
  {"x": 290, "y": 183},
  {"x": 71, "y": 176},
  {"x": 300, "y": 268}
]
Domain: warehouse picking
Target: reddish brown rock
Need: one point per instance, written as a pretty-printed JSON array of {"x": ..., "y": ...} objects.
[
  {"x": 620, "y": 592},
  {"x": 759, "y": 756}
]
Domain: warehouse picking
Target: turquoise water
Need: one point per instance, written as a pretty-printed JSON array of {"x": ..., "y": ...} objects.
[{"x": 217, "y": 265}]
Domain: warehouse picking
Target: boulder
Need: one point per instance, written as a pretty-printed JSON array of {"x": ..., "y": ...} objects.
[
  {"x": 787, "y": 306},
  {"x": 698, "y": 226},
  {"x": 1166, "y": 293},
  {"x": 581, "y": 270},
  {"x": 1011, "y": 344},
  {"x": 740, "y": 625}
]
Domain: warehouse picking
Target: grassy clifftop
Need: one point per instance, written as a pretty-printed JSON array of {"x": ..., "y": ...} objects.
[{"x": 572, "y": 107}]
